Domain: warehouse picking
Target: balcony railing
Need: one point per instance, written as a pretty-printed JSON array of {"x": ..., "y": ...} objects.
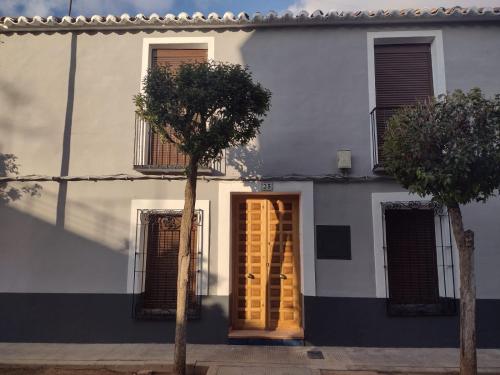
[
  {"x": 379, "y": 117},
  {"x": 152, "y": 155}
]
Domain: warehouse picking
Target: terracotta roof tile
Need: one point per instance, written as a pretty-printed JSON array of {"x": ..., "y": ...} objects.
[{"x": 229, "y": 20}]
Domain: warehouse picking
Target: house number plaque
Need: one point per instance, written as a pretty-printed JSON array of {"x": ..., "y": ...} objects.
[{"x": 266, "y": 186}]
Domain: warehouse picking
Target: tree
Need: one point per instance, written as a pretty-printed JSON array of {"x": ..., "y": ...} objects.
[
  {"x": 203, "y": 108},
  {"x": 449, "y": 148}
]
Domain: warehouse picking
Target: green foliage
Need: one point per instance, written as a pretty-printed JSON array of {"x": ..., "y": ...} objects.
[
  {"x": 208, "y": 107},
  {"x": 447, "y": 147}
]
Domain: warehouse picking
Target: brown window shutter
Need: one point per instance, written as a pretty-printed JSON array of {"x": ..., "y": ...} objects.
[
  {"x": 411, "y": 256},
  {"x": 162, "y": 263},
  {"x": 167, "y": 154},
  {"x": 403, "y": 76},
  {"x": 175, "y": 57}
]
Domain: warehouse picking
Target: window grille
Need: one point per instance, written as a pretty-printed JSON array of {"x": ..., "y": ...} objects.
[
  {"x": 418, "y": 259},
  {"x": 156, "y": 264},
  {"x": 153, "y": 156}
]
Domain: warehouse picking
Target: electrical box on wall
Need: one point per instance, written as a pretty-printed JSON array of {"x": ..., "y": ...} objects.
[{"x": 344, "y": 159}]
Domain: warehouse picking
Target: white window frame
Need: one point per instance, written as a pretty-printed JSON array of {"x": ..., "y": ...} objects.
[
  {"x": 434, "y": 37},
  {"x": 136, "y": 240},
  {"x": 148, "y": 45},
  {"x": 381, "y": 289}
]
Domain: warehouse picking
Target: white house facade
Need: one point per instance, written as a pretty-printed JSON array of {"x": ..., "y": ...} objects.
[{"x": 286, "y": 245}]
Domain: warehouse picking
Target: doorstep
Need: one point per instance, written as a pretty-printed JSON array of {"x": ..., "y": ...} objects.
[
  {"x": 277, "y": 334},
  {"x": 279, "y": 337}
]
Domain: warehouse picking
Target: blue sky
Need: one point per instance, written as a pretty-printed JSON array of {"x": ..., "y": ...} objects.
[{"x": 117, "y": 7}]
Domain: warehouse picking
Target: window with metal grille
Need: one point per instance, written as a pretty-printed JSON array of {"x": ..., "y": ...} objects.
[
  {"x": 403, "y": 76},
  {"x": 156, "y": 265},
  {"x": 412, "y": 247}
]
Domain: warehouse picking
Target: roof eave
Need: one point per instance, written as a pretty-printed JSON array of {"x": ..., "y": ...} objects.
[{"x": 243, "y": 20}]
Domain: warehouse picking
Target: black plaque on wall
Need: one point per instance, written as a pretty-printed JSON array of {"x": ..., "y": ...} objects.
[{"x": 333, "y": 242}]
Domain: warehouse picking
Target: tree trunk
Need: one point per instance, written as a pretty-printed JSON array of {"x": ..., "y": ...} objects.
[
  {"x": 465, "y": 242},
  {"x": 183, "y": 268}
]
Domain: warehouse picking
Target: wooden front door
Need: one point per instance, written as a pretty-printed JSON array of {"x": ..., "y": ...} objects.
[{"x": 266, "y": 278}]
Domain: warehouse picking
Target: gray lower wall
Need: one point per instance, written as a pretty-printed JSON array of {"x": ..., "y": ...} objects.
[
  {"x": 364, "y": 322},
  {"x": 99, "y": 318},
  {"x": 107, "y": 318}
]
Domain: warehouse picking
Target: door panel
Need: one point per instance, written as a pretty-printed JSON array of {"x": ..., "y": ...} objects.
[
  {"x": 283, "y": 271},
  {"x": 266, "y": 279},
  {"x": 250, "y": 264}
]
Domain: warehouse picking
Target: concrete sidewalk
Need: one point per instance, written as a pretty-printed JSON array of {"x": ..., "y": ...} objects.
[{"x": 239, "y": 359}]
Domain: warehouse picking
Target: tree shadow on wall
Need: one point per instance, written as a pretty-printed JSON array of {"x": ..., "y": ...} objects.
[
  {"x": 244, "y": 161},
  {"x": 8, "y": 192}
]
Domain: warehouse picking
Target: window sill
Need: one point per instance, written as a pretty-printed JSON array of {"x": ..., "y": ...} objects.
[
  {"x": 379, "y": 169},
  {"x": 160, "y": 314},
  {"x": 171, "y": 170},
  {"x": 445, "y": 307}
]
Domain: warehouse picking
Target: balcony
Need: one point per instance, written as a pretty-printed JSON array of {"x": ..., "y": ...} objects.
[
  {"x": 153, "y": 156},
  {"x": 379, "y": 117}
]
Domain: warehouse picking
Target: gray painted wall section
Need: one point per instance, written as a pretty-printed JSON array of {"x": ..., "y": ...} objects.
[
  {"x": 471, "y": 57},
  {"x": 319, "y": 81},
  {"x": 318, "y": 77},
  {"x": 341, "y": 204},
  {"x": 90, "y": 253}
]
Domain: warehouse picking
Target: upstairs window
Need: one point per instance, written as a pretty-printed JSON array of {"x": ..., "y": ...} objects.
[
  {"x": 166, "y": 154},
  {"x": 151, "y": 153},
  {"x": 403, "y": 76}
]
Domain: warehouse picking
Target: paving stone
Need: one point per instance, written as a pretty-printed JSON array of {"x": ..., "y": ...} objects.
[
  {"x": 261, "y": 370},
  {"x": 261, "y": 359}
]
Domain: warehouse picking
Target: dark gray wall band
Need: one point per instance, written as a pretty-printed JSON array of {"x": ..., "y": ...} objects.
[
  {"x": 364, "y": 322},
  {"x": 107, "y": 318},
  {"x": 99, "y": 318}
]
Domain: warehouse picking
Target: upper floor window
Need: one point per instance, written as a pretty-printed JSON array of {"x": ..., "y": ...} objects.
[
  {"x": 151, "y": 153},
  {"x": 165, "y": 154},
  {"x": 403, "y": 76}
]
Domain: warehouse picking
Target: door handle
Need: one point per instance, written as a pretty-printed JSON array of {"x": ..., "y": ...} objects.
[
  {"x": 250, "y": 276},
  {"x": 282, "y": 276}
]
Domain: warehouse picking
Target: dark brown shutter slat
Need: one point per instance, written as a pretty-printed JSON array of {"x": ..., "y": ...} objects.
[
  {"x": 403, "y": 76},
  {"x": 162, "y": 264},
  {"x": 411, "y": 256},
  {"x": 167, "y": 154},
  {"x": 175, "y": 57}
]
